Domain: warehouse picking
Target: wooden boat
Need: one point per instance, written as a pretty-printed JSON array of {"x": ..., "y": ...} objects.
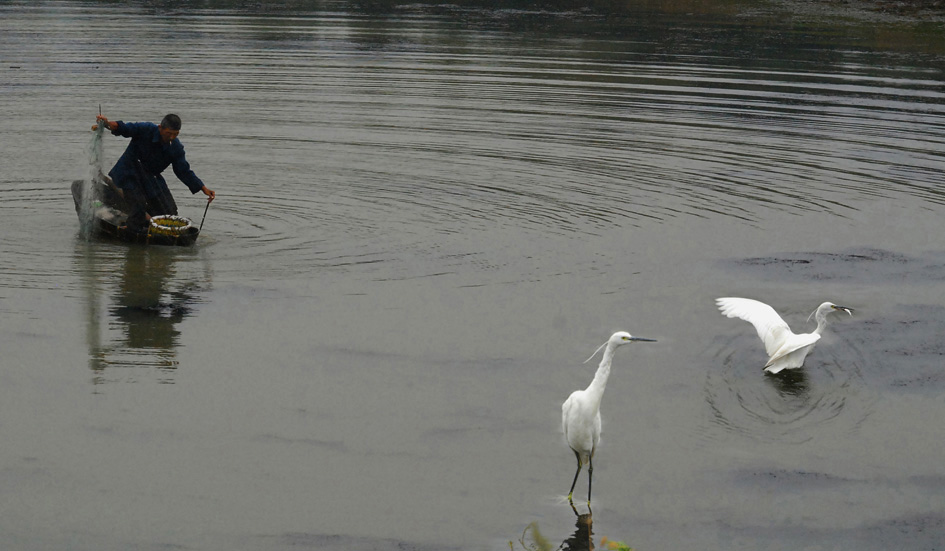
[{"x": 110, "y": 215}]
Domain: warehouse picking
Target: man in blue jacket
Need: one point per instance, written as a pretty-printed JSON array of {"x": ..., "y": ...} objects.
[{"x": 138, "y": 171}]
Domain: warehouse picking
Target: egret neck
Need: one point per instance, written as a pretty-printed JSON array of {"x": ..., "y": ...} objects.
[{"x": 595, "y": 390}]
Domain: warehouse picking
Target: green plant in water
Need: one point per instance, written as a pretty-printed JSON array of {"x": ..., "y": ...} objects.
[
  {"x": 614, "y": 545},
  {"x": 539, "y": 542}
]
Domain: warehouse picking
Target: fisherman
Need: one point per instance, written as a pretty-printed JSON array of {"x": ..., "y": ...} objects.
[{"x": 137, "y": 174}]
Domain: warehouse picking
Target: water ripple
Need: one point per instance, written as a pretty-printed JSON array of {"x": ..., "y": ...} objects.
[
  {"x": 325, "y": 128},
  {"x": 824, "y": 397}
]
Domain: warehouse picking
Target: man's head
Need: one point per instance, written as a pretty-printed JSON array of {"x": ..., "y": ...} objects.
[{"x": 169, "y": 128}]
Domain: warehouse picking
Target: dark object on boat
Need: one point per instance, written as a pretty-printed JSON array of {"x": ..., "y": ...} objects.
[{"x": 110, "y": 215}]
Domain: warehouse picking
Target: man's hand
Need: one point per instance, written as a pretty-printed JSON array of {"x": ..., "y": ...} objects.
[
  {"x": 209, "y": 193},
  {"x": 111, "y": 125}
]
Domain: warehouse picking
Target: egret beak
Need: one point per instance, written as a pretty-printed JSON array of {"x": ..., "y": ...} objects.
[
  {"x": 642, "y": 339},
  {"x": 844, "y": 308}
]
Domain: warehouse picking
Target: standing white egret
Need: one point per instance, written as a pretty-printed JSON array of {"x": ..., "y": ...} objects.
[
  {"x": 580, "y": 413},
  {"x": 786, "y": 350}
]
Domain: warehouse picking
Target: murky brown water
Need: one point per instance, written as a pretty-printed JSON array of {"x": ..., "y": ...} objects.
[{"x": 428, "y": 217}]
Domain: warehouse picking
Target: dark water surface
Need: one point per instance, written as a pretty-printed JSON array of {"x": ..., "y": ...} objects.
[{"x": 427, "y": 218}]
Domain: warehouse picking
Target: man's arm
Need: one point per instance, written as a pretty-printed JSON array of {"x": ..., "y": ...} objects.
[
  {"x": 185, "y": 174},
  {"x": 126, "y": 129}
]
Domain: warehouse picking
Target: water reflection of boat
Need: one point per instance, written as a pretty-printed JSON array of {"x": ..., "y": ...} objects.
[
  {"x": 109, "y": 214},
  {"x": 149, "y": 292}
]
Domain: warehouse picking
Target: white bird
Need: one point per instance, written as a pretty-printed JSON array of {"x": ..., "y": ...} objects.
[
  {"x": 580, "y": 413},
  {"x": 786, "y": 350}
]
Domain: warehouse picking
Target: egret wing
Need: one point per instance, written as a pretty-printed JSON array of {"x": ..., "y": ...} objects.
[
  {"x": 565, "y": 409},
  {"x": 772, "y": 330},
  {"x": 793, "y": 344}
]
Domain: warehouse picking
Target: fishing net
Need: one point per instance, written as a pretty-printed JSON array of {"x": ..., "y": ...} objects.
[{"x": 87, "y": 204}]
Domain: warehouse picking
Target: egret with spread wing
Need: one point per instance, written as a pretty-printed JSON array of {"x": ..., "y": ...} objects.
[
  {"x": 786, "y": 349},
  {"x": 580, "y": 413}
]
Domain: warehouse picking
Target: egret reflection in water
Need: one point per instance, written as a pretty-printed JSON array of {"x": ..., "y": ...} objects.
[
  {"x": 582, "y": 539},
  {"x": 792, "y": 386}
]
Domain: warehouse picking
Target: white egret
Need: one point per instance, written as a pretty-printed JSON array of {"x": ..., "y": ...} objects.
[
  {"x": 580, "y": 413},
  {"x": 786, "y": 350}
]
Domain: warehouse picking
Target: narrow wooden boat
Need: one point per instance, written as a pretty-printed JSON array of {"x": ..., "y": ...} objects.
[{"x": 109, "y": 218}]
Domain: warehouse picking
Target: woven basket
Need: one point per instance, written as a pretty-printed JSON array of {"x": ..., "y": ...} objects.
[{"x": 169, "y": 224}]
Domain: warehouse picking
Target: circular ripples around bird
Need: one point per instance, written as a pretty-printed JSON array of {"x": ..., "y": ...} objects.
[{"x": 795, "y": 406}]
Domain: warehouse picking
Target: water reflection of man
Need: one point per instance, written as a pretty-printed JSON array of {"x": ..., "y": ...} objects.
[
  {"x": 143, "y": 306},
  {"x": 147, "y": 310},
  {"x": 138, "y": 172}
]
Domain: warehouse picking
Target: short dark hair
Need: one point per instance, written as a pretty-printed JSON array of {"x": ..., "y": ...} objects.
[{"x": 171, "y": 121}]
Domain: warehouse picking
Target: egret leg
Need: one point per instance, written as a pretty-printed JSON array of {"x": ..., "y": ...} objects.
[
  {"x": 590, "y": 477},
  {"x": 576, "y": 473}
]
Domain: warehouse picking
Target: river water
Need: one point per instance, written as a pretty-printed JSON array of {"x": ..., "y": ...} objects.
[{"x": 427, "y": 218}]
